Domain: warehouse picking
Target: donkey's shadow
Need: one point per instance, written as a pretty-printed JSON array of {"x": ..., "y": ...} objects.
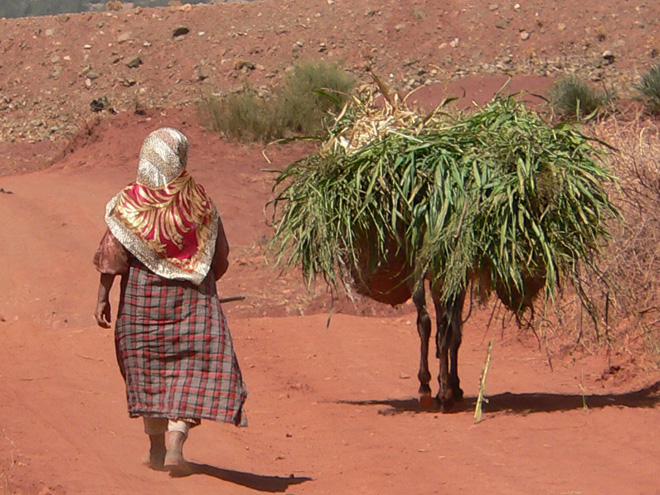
[{"x": 525, "y": 403}]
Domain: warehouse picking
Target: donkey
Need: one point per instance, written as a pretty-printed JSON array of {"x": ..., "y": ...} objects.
[{"x": 392, "y": 281}]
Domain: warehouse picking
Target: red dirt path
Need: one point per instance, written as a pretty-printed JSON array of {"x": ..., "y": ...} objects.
[{"x": 332, "y": 410}]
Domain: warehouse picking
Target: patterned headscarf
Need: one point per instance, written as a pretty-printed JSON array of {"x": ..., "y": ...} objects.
[{"x": 165, "y": 219}]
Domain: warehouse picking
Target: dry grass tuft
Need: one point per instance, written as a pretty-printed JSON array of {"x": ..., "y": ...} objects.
[
  {"x": 649, "y": 90},
  {"x": 572, "y": 97},
  {"x": 301, "y": 106}
]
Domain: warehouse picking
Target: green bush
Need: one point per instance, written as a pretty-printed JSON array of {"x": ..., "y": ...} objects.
[
  {"x": 299, "y": 106},
  {"x": 309, "y": 93},
  {"x": 649, "y": 88},
  {"x": 242, "y": 116},
  {"x": 570, "y": 96}
]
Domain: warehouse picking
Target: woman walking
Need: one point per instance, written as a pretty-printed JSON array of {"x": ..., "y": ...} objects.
[{"x": 166, "y": 241}]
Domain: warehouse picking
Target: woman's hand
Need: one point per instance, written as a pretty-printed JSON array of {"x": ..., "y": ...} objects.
[{"x": 102, "y": 314}]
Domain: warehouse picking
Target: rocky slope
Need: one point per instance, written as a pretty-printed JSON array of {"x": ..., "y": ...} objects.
[{"x": 53, "y": 67}]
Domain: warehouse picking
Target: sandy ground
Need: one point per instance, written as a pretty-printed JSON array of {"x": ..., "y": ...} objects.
[{"x": 332, "y": 409}]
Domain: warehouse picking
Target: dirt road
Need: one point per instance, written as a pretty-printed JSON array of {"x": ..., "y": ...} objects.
[{"x": 332, "y": 410}]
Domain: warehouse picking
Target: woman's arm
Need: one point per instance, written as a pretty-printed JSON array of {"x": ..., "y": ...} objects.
[
  {"x": 102, "y": 313},
  {"x": 111, "y": 259}
]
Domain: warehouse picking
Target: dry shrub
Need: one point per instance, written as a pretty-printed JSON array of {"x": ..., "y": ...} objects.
[
  {"x": 572, "y": 97},
  {"x": 625, "y": 295},
  {"x": 649, "y": 90},
  {"x": 300, "y": 106},
  {"x": 309, "y": 92},
  {"x": 242, "y": 116}
]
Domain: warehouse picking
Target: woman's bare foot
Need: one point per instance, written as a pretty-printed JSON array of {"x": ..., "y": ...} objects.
[
  {"x": 155, "y": 458},
  {"x": 176, "y": 464},
  {"x": 174, "y": 461}
]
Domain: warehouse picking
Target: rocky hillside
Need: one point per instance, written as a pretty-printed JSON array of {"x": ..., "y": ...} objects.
[
  {"x": 28, "y": 8},
  {"x": 52, "y": 68}
]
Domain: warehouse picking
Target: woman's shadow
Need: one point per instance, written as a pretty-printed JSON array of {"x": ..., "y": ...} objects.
[{"x": 262, "y": 483}]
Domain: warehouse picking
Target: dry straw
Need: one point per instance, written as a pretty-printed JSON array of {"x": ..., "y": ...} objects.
[
  {"x": 481, "y": 397},
  {"x": 625, "y": 292}
]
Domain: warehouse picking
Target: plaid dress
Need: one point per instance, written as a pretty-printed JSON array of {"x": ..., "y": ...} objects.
[{"x": 175, "y": 351}]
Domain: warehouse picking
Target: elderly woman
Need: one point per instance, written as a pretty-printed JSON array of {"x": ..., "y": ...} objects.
[{"x": 166, "y": 241}]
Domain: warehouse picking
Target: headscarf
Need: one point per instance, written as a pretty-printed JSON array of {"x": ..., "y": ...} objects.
[{"x": 165, "y": 219}]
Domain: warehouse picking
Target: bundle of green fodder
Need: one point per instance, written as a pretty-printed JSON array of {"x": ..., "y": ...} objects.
[
  {"x": 331, "y": 218},
  {"x": 498, "y": 196}
]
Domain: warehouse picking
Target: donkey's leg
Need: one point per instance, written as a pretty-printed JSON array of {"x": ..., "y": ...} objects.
[
  {"x": 455, "y": 314},
  {"x": 424, "y": 331},
  {"x": 443, "y": 335}
]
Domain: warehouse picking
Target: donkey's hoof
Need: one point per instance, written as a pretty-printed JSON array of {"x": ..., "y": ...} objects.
[
  {"x": 458, "y": 394},
  {"x": 446, "y": 402},
  {"x": 426, "y": 401}
]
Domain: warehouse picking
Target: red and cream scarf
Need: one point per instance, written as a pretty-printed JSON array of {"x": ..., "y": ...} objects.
[{"x": 165, "y": 219}]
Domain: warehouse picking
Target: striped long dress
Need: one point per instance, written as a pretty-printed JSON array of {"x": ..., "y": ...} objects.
[{"x": 175, "y": 351}]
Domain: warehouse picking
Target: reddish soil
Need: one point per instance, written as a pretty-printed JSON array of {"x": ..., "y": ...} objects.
[{"x": 332, "y": 409}]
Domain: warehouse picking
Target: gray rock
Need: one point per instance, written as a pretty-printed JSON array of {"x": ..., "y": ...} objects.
[
  {"x": 124, "y": 37},
  {"x": 134, "y": 62},
  {"x": 204, "y": 72},
  {"x": 180, "y": 31},
  {"x": 608, "y": 57}
]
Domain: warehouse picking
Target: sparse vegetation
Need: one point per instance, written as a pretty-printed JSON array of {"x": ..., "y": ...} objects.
[
  {"x": 309, "y": 92},
  {"x": 242, "y": 116},
  {"x": 649, "y": 89},
  {"x": 572, "y": 97},
  {"x": 626, "y": 294},
  {"x": 300, "y": 106}
]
